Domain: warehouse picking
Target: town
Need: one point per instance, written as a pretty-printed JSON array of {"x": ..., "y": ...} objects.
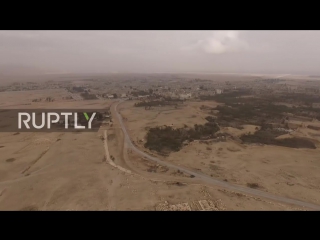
[{"x": 153, "y": 87}]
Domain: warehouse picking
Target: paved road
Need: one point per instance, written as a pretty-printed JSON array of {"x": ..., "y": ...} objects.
[{"x": 210, "y": 180}]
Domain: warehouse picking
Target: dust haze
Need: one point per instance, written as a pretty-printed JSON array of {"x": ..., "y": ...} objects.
[{"x": 272, "y": 52}]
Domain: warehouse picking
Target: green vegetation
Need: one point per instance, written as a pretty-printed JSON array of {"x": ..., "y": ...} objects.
[
  {"x": 154, "y": 103},
  {"x": 139, "y": 93},
  {"x": 268, "y": 102},
  {"x": 88, "y": 96},
  {"x": 49, "y": 99},
  {"x": 77, "y": 89},
  {"x": 253, "y": 185},
  {"x": 253, "y": 113},
  {"x": 314, "y": 127},
  {"x": 297, "y": 98},
  {"x": 169, "y": 139},
  {"x": 228, "y": 96},
  {"x": 268, "y": 137},
  {"x": 253, "y": 110},
  {"x": 68, "y": 98},
  {"x": 263, "y": 111}
]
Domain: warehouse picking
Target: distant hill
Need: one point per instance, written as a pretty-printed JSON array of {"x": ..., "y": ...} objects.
[{"x": 20, "y": 70}]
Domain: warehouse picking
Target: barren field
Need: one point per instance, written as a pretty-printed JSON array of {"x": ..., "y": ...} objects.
[
  {"x": 97, "y": 171},
  {"x": 68, "y": 171},
  {"x": 280, "y": 170}
]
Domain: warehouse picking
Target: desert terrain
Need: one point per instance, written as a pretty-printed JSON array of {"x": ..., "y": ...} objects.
[
  {"x": 100, "y": 171},
  {"x": 280, "y": 170}
]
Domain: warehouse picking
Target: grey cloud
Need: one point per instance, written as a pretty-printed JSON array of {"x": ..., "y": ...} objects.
[{"x": 219, "y": 42}]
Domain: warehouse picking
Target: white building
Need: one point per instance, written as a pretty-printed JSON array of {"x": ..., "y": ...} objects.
[
  {"x": 219, "y": 91},
  {"x": 143, "y": 96},
  {"x": 315, "y": 105},
  {"x": 123, "y": 95},
  {"x": 173, "y": 95},
  {"x": 185, "y": 96}
]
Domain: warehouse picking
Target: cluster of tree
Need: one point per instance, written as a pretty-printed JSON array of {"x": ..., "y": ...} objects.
[
  {"x": 171, "y": 99},
  {"x": 49, "y": 99},
  {"x": 256, "y": 110},
  {"x": 241, "y": 114},
  {"x": 37, "y": 100},
  {"x": 139, "y": 93},
  {"x": 88, "y": 96},
  {"x": 228, "y": 96},
  {"x": 67, "y": 98},
  {"x": 164, "y": 138},
  {"x": 78, "y": 89},
  {"x": 169, "y": 139},
  {"x": 203, "y": 88},
  {"x": 275, "y": 80},
  {"x": 296, "y": 98},
  {"x": 205, "y": 131},
  {"x": 314, "y": 127},
  {"x": 268, "y": 138},
  {"x": 155, "y": 103},
  {"x": 203, "y": 107},
  {"x": 210, "y": 119}
]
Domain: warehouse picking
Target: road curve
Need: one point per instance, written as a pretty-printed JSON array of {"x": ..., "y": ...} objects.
[{"x": 210, "y": 180}]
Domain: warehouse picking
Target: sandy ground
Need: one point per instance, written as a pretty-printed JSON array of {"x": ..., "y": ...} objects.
[
  {"x": 68, "y": 171},
  {"x": 40, "y": 173},
  {"x": 283, "y": 171}
]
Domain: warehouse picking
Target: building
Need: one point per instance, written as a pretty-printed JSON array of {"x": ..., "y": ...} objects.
[
  {"x": 315, "y": 105},
  {"x": 219, "y": 91},
  {"x": 143, "y": 96},
  {"x": 185, "y": 96},
  {"x": 123, "y": 95},
  {"x": 292, "y": 88},
  {"x": 110, "y": 96}
]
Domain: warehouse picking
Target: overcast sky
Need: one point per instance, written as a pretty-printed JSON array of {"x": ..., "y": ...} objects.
[{"x": 287, "y": 52}]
